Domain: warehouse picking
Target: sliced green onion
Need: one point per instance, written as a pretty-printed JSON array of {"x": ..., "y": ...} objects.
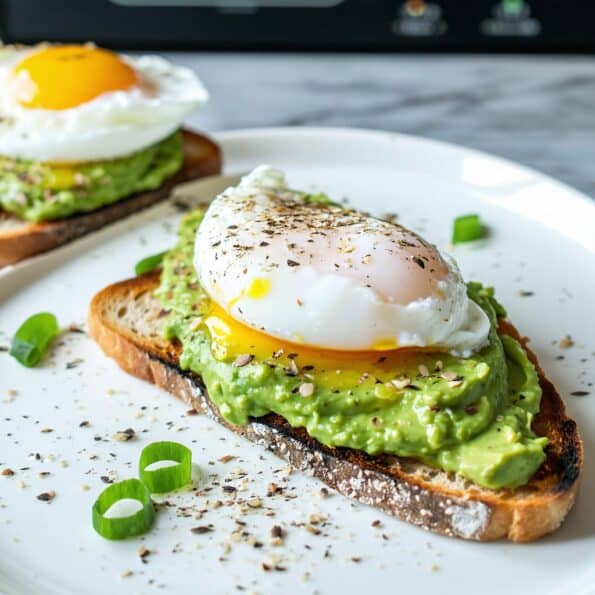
[
  {"x": 127, "y": 526},
  {"x": 466, "y": 229},
  {"x": 150, "y": 263},
  {"x": 33, "y": 337},
  {"x": 319, "y": 198},
  {"x": 169, "y": 478}
]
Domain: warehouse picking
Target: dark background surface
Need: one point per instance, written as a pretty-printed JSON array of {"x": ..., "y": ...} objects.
[{"x": 362, "y": 25}]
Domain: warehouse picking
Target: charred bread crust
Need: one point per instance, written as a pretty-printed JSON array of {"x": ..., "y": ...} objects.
[
  {"x": 202, "y": 157},
  {"x": 405, "y": 488}
]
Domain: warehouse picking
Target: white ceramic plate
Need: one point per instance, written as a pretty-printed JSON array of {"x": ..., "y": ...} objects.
[{"x": 541, "y": 240}]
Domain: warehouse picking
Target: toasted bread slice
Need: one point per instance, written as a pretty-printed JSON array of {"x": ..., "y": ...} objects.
[
  {"x": 20, "y": 239},
  {"x": 127, "y": 322}
]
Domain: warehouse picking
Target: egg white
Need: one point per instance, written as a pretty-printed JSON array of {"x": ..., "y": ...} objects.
[
  {"x": 114, "y": 124},
  {"x": 313, "y": 304}
]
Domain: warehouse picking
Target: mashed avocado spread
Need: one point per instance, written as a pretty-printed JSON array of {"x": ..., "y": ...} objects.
[
  {"x": 471, "y": 416},
  {"x": 43, "y": 191}
]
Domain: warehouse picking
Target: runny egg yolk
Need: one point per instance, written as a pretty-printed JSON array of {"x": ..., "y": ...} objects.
[
  {"x": 231, "y": 338},
  {"x": 256, "y": 290},
  {"x": 64, "y": 76}
]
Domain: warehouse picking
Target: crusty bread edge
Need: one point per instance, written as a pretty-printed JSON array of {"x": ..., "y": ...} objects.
[
  {"x": 35, "y": 238},
  {"x": 469, "y": 515}
]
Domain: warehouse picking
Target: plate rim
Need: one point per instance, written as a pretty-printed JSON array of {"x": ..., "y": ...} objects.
[{"x": 231, "y": 135}]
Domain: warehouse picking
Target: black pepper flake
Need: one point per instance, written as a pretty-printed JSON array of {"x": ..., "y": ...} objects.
[
  {"x": 277, "y": 532},
  {"x": 106, "y": 479},
  {"x": 419, "y": 262},
  {"x": 229, "y": 489},
  {"x": 471, "y": 409},
  {"x": 124, "y": 435},
  {"x": 273, "y": 489},
  {"x": 292, "y": 263},
  {"x": 292, "y": 369},
  {"x": 579, "y": 393},
  {"x": 243, "y": 360},
  {"x": 268, "y": 567},
  {"x": 46, "y": 496},
  {"x": 202, "y": 529},
  {"x": 74, "y": 363}
]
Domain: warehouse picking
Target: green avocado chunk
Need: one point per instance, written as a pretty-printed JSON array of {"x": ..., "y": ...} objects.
[
  {"x": 38, "y": 191},
  {"x": 471, "y": 416}
]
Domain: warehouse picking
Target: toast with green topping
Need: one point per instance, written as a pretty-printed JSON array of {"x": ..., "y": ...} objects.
[
  {"x": 129, "y": 323},
  {"x": 27, "y": 222}
]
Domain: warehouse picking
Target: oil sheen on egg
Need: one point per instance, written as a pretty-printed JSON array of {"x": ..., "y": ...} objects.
[
  {"x": 65, "y": 103},
  {"x": 329, "y": 277}
]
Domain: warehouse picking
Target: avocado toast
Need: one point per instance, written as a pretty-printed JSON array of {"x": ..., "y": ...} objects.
[
  {"x": 21, "y": 238},
  {"x": 475, "y": 445},
  {"x": 88, "y": 136}
]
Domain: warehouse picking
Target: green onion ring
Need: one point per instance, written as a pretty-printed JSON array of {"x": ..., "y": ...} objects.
[
  {"x": 466, "y": 229},
  {"x": 170, "y": 478},
  {"x": 128, "y": 526},
  {"x": 33, "y": 337},
  {"x": 150, "y": 263}
]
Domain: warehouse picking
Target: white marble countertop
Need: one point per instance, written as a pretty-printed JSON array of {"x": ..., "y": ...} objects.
[{"x": 535, "y": 110}]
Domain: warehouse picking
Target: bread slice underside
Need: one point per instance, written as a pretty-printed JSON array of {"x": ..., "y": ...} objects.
[
  {"x": 20, "y": 239},
  {"x": 126, "y": 320}
]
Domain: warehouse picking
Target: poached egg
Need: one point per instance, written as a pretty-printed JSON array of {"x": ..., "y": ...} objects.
[
  {"x": 65, "y": 103},
  {"x": 331, "y": 278}
]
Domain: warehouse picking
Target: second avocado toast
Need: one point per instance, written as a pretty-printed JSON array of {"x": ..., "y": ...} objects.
[{"x": 75, "y": 157}]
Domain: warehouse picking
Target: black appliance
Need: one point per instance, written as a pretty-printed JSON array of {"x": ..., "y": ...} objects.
[{"x": 372, "y": 25}]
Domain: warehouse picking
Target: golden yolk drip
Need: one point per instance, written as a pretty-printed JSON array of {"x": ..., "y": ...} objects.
[
  {"x": 230, "y": 338},
  {"x": 64, "y": 76},
  {"x": 61, "y": 178},
  {"x": 384, "y": 345},
  {"x": 258, "y": 288}
]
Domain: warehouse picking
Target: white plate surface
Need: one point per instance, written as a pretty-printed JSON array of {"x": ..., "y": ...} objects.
[{"x": 541, "y": 241}]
